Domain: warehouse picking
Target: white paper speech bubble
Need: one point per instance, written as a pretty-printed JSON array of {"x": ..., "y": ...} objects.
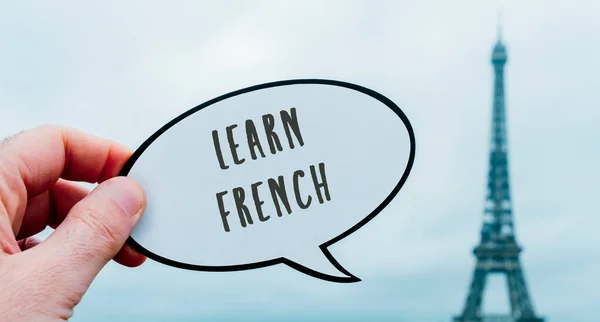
[{"x": 274, "y": 173}]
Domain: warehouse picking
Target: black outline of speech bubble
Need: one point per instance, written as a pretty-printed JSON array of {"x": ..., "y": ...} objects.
[{"x": 323, "y": 247}]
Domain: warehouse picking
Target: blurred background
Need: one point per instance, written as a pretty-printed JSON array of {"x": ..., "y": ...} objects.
[{"x": 122, "y": 69}]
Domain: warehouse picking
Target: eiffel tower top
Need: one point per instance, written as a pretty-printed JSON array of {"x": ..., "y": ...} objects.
[
  {"x": 499, "y": 55},
  {"x": 498, "y": 220}
]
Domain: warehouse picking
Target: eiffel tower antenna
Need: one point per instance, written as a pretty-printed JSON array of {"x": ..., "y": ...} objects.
[
  {"x": 498, "y": 250},
  {"x": 500, "y": 24}
]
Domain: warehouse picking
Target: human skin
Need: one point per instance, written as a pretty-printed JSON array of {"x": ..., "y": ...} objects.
[{"x": 44, "y": 281}]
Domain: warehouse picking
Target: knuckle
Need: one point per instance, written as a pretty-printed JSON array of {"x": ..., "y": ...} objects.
[
  {"x": 12, "y": 191},
  {"x": 101, "y": 224},
  {"x": 48, "y": 128},
  {"x": 5, "y": 141}
]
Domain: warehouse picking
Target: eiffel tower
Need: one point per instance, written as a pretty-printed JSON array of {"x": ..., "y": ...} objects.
[{"x": 498, "y": 250}]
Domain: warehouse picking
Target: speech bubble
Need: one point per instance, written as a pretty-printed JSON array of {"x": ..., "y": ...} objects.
[{"x": 270, "y": 174}]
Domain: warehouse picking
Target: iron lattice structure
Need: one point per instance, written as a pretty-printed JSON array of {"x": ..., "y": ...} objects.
[{"x": 498, "y": 250}]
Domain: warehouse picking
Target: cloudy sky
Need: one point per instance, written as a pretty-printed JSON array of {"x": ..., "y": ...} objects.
[{"x": 121, "y": 69}]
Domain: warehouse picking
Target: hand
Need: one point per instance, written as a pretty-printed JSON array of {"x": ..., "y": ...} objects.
[{"x": 44, "y": 281}]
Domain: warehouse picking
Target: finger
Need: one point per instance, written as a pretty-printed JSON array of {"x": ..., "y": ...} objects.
[
  {"x": 93, "y": 232},
  {"x": 65, "y": 195},
  {"x": 36, "y": 216},
  {"x": 27, "y": 243},
  {"x": 50, "y": 209},
  {"x": 8, "y": 244},
  {"x": 34, "y": 160},
  {"x": 127, "y": 256}
]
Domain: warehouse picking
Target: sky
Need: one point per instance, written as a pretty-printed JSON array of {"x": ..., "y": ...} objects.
[{"x": 122, "y": 69}]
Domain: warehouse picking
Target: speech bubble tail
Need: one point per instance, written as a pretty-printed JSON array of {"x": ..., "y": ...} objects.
[{"x": 321, "y": 264}]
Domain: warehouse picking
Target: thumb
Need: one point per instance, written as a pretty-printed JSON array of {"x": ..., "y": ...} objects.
[{"x": 93, "y": 232}]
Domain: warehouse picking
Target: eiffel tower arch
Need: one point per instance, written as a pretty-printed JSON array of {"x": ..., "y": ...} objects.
[{"x": 498, "y": 251}]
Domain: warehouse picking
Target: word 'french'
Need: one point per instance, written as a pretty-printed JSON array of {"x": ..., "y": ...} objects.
[{"x": 280, "y": 195}]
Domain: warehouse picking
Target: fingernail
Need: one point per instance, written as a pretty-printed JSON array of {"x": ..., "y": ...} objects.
[{"x": 126, "y": 193}]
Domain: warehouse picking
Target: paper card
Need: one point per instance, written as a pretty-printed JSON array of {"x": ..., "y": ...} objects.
[{"x": 270, "y": 174}]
